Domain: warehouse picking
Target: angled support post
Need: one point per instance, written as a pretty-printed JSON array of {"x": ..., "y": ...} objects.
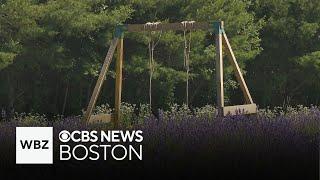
[
  {"x": 100, "y": 80},
  {"x": 234, "y": 63},
  {"x": 249, "y": 107},
  {"x": 218, "y": 30}
]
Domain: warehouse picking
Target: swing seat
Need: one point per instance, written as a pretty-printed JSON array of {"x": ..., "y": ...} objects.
[
  {"x": 239, "y": 109},
  {"x": 101, "y": 118}
]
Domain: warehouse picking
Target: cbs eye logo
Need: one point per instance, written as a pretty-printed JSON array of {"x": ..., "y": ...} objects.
[
  {"x": 78, "y": 136},
  {"x": 64, "y": 136}
]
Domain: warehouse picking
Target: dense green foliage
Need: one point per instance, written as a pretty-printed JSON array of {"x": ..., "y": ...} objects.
[
  {"x": 287, "y": 70},
  {"x": 51, "y": 52}
]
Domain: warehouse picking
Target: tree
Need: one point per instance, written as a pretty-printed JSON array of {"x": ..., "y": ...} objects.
[
  {"x": 54, "y": 45},
  {"x": 282, "y": 72},
  {"x": 51, "y": 51}
]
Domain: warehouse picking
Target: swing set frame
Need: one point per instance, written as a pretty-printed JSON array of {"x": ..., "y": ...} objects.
[{"x": 221, "y": 40}]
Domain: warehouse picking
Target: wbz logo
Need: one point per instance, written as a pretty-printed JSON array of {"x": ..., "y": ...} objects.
[
  {"x": 27, "y": 144},
  {"x": 34, "y": 145}
]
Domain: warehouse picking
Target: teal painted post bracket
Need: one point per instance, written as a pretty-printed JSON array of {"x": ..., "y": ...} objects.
[
  {"x": 120, "y": 29},
  {"x": 218, "y": 27}
]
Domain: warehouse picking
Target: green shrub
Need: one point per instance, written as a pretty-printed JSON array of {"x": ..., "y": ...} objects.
[{"x": 30, "y": 119}]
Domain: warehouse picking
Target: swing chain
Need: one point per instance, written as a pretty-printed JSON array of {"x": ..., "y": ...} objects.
[
  {"x": 187, "y": 43},
  {"x": 151, "y": 26},
  {"x": 187, "y": 51}
]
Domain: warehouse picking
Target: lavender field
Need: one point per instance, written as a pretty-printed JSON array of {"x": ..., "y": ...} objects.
[{"x": 184, "y": 138}]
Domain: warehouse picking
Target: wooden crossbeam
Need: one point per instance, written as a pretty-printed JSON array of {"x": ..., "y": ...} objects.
[
  {"x": 168, "y": 27},
  {"x": 100, "y": 80}
]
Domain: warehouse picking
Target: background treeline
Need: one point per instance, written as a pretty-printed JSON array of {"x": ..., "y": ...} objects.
[{"x": 51, "y": 52}]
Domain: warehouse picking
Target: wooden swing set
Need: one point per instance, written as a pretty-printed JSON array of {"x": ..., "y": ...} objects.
[{"x": 220, "y": 40}]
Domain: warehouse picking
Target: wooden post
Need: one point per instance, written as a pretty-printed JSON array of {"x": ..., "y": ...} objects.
[
  {"x": 99, "y": 83},
  {"x": 234, "y": 63},
  {"x": 118, "y": 87},
  {"x": 219, "y": 65}
]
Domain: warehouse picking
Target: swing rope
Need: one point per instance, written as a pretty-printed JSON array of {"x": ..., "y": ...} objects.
[
  {"x": 151, "y": 46},
  {"x": 186, "y": 52}
]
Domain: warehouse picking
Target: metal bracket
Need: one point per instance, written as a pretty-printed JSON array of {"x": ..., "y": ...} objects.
[
  {"x": 119, "y": 31},
  {"x": 218, "y": 27}
]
